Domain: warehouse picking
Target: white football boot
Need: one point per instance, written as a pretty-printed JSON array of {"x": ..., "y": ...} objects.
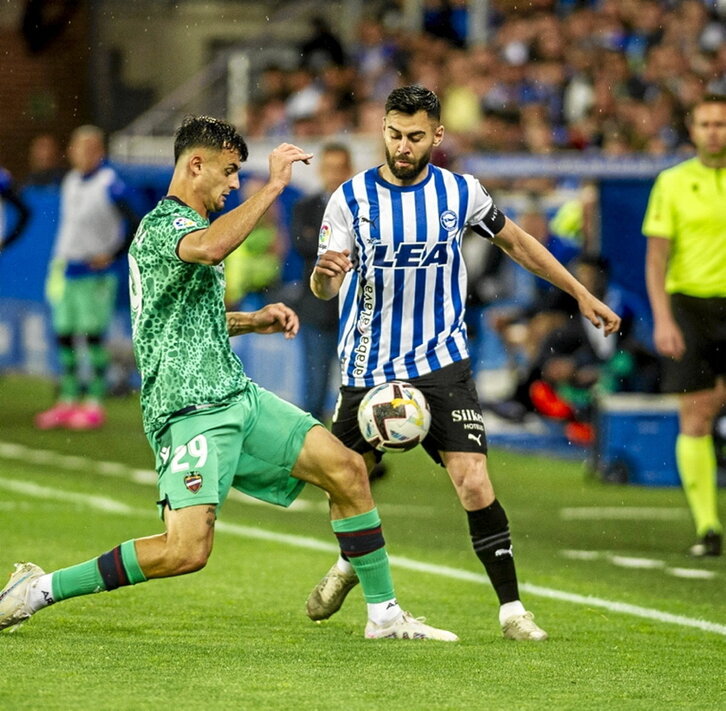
[
  {"x": 406, "y": 626},
  {"x": 330, "y": 593},
  {"x": 13, "y": 597},
  {"x": 523, "y": 629}
]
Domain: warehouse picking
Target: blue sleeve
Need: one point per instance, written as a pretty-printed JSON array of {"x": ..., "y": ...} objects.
[
  {"x": 118, "y": 191},
  {"x": 5, "y": 181}
]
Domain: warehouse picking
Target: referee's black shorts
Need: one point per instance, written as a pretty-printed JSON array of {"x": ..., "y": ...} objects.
[
  {"x": 457, "y": 424},
  {"x": 703, "y": 323}
]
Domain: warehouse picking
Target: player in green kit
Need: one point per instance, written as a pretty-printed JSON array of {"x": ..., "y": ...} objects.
[{"x": 211, "y": 427}]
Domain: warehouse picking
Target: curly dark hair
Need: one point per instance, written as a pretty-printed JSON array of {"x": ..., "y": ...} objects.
[
  {"x": 210, "y": 133},
  {"x": 412, "y": 99}
]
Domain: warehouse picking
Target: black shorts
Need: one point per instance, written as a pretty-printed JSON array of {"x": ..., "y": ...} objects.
[
  {"x": 457, "y": 424},
  {"x": 703, "y": 323}
]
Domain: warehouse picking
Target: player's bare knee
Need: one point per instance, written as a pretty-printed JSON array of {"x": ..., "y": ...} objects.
[
  {"x": 348, "y": 476},
  {"x": 471, "y": 480},
  {"x": 185, "y": 556},
  {"x": 190, "y": 561}
]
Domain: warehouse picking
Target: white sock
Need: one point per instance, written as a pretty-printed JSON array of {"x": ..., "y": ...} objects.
[
  {"x": 383, "y": 612},
  {"x": 344, "y": 566},
  {"x": 510, "y": 609},
  {"x": 40, "y": 593}
]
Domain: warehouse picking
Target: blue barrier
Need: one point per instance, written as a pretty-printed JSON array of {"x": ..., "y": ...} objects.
[{"x": 24, "y": 316}]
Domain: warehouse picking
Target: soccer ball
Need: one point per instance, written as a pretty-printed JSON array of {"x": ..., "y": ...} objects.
[{"x": 394, "y": 417}]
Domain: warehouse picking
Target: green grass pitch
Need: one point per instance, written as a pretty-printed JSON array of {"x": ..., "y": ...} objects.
[{"x": 235, "y": 636}]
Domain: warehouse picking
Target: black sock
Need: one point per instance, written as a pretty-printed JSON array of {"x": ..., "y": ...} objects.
[{"x": 489, "y": 530}]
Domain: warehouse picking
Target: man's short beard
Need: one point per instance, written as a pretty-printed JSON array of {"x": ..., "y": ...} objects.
[{"x": 409, "y": 172}]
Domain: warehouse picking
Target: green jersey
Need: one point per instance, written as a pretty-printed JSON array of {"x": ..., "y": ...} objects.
[
  {"x": 178, "y": 320},
  {"x": 688, "y": 207}
]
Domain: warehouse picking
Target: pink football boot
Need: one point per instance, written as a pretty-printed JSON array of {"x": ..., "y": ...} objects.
[
  {"x": 89, "y": 416},
  {"x": 56, "y": 416}
]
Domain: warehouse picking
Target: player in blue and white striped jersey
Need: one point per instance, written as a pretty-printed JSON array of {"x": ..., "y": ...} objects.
[{"x": 390, "y": 249}]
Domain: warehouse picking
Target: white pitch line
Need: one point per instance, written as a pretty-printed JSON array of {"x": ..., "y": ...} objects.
[
  {"x": 692, "y": 573},
  {"x": 10, "y": 450},
  {"x": 640, "y": 563},
  {"x": 630, "y": 562},
  {"x": 625, "y": 608},
  {"x": 580, "y": 555},
  {"x": 396, "y": 561},
  {"x": 623, "y": 513},
  {"x": 45, "y": 492}
]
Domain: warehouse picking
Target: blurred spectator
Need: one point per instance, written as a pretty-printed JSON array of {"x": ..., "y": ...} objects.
[
  {"x": 303, "y": 100},
  {"x": 8, "y": 196},
  {"x": 377, "y": 59},
  {"x": 253, "y": 269},
  {"x": 489, "y": 281},
  {"x": 460, "y": 109},
  {"x": 447, "y": 19},
  {"x": 524, "y": 326},
  {"x": 45, "y": 162},
  {"x": 318, "y": 319},
  {"x": 570, "y": 360},
  {"x": 590, "y": 69},
  {"x": 322, "y": 48}
]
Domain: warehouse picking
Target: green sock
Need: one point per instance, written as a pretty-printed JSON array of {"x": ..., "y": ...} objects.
[
  {"x": 696, "y": 460},
  {"x": 109, "y": 571},
  {"x": 69, "y": 385},
  {"x": 361, "y": 540},
  {"x": 98, "y": 356}
]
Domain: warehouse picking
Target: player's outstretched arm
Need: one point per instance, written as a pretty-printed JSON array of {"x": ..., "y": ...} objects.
[
  {"x": 273, "y": 318},
  {"x": 227, "y": 232},
  {"x": 533, "y": 256},
  {"x": 329, "y": 272}
]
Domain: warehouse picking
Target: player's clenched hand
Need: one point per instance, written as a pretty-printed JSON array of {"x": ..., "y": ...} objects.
[
  {"x": 668, "y": 339},
  {"x": 276, "y": 318},
  {"x": 282, "y": 158},
  {"x": 599, "y": 314},
  {"x": 332, "y": 264}
]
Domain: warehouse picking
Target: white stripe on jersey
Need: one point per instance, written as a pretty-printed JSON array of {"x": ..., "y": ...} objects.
[{"x": 402, "y": 306}]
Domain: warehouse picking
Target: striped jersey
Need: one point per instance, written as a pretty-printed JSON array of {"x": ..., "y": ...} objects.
[{"x": 401, "y": 307}]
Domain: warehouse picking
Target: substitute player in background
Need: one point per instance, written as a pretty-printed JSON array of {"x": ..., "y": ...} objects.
[
  {"x": 97, "y": 223},
  {"x": 390, "y": 247},
  {"x": 211, "y": 427},
  {"x": 685, "y": 223}
]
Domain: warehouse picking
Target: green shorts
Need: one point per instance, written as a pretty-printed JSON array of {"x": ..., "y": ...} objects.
[
  {"x": 85, "y": 305},
  {"x": 251, "y": 445}
]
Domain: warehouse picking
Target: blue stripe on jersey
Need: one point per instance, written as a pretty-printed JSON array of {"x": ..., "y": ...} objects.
[
  {"x": 456, "y": 295},
  {"x": 399, "y": 279},
  {"x": 439, "y": 317},
  {"x": 420, "y": 285},
  {"x": 374, "y": 331},
  {"x": 345, "y": 313},
  {"x": 353, "y": 289}
]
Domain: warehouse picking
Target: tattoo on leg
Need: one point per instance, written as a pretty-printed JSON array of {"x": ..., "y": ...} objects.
[{"x": 211, "y": 516}]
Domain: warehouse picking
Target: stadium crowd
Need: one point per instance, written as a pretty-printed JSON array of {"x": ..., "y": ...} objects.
[
  {"x": 603, "y": 76},
  {"x": 599, "y": 77},
  {"x": 596, "y": 77}
]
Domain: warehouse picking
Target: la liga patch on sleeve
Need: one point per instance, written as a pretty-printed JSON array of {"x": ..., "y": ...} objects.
[
  {"x": 183, "y": 223},
  {"x": 324, "y": 237}
]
